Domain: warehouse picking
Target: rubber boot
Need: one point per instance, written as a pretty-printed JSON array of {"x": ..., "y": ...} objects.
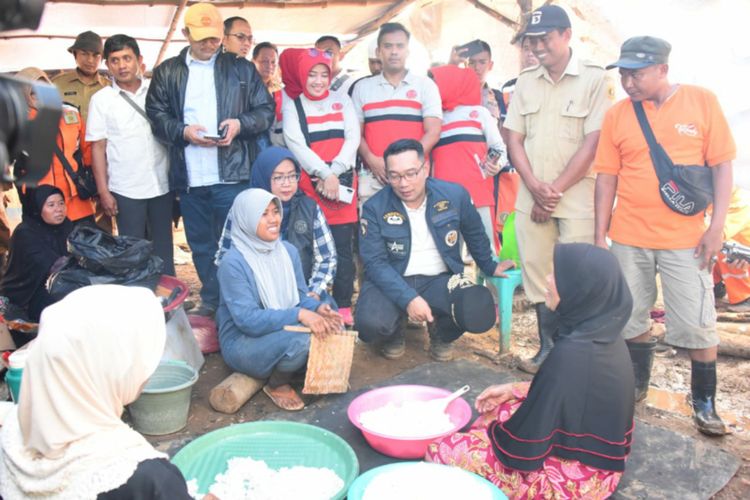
[
  {"x": 642, "y": 357},
  {"x": 546, "y": 321},
  {"x": 703, "y": 387}
]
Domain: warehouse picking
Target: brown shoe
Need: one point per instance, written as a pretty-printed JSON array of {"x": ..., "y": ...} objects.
[{"x": 284, "y": 397}]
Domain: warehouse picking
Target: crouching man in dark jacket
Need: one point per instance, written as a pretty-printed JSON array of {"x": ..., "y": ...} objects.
[
  {"x": 208, "y": 107},
  {"x": 409, "y": 244}
]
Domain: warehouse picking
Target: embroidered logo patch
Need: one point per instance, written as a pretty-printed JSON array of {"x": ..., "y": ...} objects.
[
  {"x": 451, "y": 237},
  {"x": 474, "y": 114},
  {"x": 395, "y": 248},
  {"x": 412, "y": 94},
  {"x": 393, "y": 218},
  {"x": 441, "y": 206},
  {"x": 70, "y": 116},
  {"x": 688, "y": 129},
  {"x": 337, "y": 106},
  {"x": 300, "y": 227}
]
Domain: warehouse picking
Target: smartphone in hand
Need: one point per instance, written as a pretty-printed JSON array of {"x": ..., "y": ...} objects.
[{"x": 222, "y": 134}]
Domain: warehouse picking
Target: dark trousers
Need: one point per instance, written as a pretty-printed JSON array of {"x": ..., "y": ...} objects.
[
  {"x": 343, "y": 283},
  {"x": 204, "y": 211},
  {"x": 377, "y": 317},
  {"x": 149, "y": 218}
]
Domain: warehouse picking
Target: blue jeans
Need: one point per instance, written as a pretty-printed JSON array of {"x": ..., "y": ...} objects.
[{"x": 204, "y": 210}]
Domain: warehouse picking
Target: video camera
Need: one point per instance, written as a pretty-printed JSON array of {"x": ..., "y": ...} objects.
[
  {"x": 734, "y": 251},
  {"x": 29, "y": 143}
]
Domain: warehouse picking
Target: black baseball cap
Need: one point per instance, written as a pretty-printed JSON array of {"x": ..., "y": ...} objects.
[
  {"x": 88, "y": 40},
  {"x": 545, "y": 19},
  {"x": 642, "y": 51},
  {"x": 472, "y": 307}
]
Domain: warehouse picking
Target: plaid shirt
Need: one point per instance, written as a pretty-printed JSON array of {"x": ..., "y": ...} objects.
[{"x": 324, "y": 252}]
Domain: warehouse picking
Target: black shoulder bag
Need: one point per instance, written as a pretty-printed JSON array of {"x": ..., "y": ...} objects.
[
  {"x": 686, "y": 189},
  {"x": 83, "y": 179}
]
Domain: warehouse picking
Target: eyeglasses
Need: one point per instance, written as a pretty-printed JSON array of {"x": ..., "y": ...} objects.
[
  {"x": 325, "y": 53},
  {"x": 409, "y": 175},
  {"x": 285, "y": 179},
  {"x": 242, "y": 37}
]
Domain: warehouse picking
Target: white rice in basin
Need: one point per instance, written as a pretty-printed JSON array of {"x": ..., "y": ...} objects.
[
  {"x": 423, "y": 481},
  {"x": 248, "y": 479},
  {"x": 408, "y": 419}
]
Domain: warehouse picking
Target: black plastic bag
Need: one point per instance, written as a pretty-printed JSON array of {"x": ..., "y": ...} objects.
[
  {"x": 100, "y": 258},
  {"x": 72, "y": 277},
  {"x": 101, "y": 252}
]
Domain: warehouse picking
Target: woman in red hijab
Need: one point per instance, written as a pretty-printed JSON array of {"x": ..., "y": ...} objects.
[
  {"x": 322, "y": 131},
  {"x": 468, "y": 133}
]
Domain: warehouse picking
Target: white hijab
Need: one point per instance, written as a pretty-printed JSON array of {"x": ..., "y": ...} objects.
[
  {"x": 95, "y": 350},
  {"x": 269, "y": 260}
]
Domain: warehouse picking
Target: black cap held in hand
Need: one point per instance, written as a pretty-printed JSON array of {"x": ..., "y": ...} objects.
[{"x": 472, "y": 307}]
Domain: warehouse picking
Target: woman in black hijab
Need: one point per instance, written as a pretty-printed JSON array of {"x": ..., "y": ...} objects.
[
  {"x": 36, "y": 244},
  {"x": 568, "y": 433}
]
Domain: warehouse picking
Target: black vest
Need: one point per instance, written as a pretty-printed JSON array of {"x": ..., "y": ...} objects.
[{"x": 299, "y": 232}]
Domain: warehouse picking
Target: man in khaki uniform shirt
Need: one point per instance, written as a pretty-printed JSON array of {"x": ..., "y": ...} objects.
[
  {"x": 553, "y": 128},
  {"x": 78, "y": 85}
]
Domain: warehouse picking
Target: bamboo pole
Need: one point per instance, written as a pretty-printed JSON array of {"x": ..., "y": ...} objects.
[{"x": 172, "y": 28}]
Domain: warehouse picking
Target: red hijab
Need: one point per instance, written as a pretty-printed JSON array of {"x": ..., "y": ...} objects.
[
  {"x": 296, "y": 65},
  {"x": 458, "y": 86}
]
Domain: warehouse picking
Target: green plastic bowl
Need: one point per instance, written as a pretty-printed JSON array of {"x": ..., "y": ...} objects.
[
  {"x": 358, "y": 488},
  {"x": 278, "y": 443}
]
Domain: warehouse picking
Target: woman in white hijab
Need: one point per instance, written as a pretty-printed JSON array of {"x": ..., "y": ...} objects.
[
  {"x": 95, "y": 351},
  {"x": 262, "y": 290}
]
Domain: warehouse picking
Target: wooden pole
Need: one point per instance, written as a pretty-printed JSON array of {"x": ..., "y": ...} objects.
[
  {"x": 375, "y": 24},
  {"x": 172, "y": 28}
]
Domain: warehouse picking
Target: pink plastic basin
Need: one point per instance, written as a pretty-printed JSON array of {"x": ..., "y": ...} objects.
[{"x": 405, "y": 447}]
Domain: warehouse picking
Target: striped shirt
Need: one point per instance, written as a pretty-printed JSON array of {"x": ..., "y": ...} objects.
[
  {"x": 334, "y": 139},
  {"x": 390, "y": 113},
  {"x": 466, "y": 135}
]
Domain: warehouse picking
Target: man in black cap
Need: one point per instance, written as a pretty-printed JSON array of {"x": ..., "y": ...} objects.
[
  {"x": 553, "y": 126},
  {"x": 647, "y": 236},
  {"x": 78, "y": 85},
  {"x": 409, "y": 246}
]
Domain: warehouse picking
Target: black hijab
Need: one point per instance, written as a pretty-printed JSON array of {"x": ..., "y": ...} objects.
[
  {"x": 580, "y": 403},
  {"x": 34, "y": 247}
]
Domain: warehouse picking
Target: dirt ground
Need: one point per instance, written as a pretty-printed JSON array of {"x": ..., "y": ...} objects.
[{"x": 666, "y": 406}]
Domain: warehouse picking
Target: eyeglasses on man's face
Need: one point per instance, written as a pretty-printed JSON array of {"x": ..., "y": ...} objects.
[
  {"x": 409, "y": 175},
  {"x": 242, "y": 37},
  {"x": 285, "y": 179}
]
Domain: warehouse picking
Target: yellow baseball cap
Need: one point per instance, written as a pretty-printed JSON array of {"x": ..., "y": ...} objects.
[{"x": 204, "y": 21}]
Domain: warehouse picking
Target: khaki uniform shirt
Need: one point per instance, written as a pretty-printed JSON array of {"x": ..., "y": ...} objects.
[
  {"x": 554, "y": 117},
  {"x": 75, "y": 92}
]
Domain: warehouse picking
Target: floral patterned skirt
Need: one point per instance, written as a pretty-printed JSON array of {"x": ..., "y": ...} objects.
[{"x": 558, "y": 478}]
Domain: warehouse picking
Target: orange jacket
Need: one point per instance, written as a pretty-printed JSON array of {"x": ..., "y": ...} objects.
[{"x": 70, "y": 138}]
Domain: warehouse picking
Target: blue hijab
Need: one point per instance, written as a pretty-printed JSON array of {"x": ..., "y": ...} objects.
[{"x": 262, "y": 171}]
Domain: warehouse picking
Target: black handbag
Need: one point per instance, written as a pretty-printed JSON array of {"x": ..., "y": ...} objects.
[
  {"x": 83, "y": 178},
  {"x": 686, "y": 189}
]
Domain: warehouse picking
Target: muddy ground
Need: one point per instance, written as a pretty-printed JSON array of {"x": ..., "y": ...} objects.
[{"x": 666, "y": 406}]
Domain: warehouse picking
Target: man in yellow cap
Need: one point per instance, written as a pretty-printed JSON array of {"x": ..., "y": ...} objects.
[{"x": 208, "y": 107}]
